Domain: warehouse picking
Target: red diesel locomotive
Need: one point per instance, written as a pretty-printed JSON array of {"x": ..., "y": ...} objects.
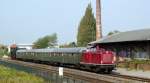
[{"x": 99, "y": 59}]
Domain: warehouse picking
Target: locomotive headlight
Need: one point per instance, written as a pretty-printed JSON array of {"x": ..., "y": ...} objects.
[
  {"x": 113, "y": 61},
  {"x": 101, "y": 61}
]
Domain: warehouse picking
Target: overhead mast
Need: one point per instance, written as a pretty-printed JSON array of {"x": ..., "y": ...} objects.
[{"x": 98, "y": 20}]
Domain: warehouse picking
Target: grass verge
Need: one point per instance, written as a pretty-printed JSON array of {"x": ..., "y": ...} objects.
[{"x": 8, "y": 75}]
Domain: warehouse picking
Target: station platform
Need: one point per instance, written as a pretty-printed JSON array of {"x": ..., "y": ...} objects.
[{"x": 137, "y": 73}]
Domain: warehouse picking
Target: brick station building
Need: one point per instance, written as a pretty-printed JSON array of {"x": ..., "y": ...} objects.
[{"x": 131, "y": 44}]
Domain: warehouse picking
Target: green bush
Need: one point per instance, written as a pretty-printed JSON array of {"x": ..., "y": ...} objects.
[
  {"x": 135, "y": 64},
  {"x": 3, "y": 52},
  {"x": 8, "y": 75},
  {"x": 136, "y": 61}
]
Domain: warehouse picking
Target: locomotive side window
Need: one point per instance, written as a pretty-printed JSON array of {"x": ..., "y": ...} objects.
[{"x": 92, "y": 49}]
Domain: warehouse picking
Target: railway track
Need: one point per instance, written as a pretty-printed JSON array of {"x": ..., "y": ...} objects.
[
  {"x": 142, "y": 79},
  {"x": 88, "y": 77}
]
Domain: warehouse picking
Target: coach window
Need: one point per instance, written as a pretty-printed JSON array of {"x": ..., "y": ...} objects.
[
  {"x": 50, "y": 53},
  {"x": 54, "y": 54},
  {"x": 36, "y": 53},
  {"x": 65, "y": 54},
  {"x": 68, "y": 54},
  {"x": 72, "y": 54},
  {"x": 32, "y": 53}
]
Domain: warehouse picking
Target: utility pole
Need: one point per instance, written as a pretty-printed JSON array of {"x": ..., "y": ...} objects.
[{"x": 98, "y": 20}]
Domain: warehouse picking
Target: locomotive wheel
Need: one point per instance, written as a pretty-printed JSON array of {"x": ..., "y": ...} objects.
[
  {"x": 102, "y": 71},
  {"x": 95, "y": 69},
  {"x": 109, "y": 71}
]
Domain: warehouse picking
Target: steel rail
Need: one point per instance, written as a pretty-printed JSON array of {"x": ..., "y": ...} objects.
[{"x": 142, "y": 79}]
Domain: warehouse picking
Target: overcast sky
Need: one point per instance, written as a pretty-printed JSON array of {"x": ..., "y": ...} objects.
[{"x": 24, "y": 21}]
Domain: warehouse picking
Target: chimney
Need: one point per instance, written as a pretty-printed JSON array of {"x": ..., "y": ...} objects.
[{"x": 98, "y": 20}]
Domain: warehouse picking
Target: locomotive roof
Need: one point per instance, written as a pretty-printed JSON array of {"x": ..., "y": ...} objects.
[
  {"x": 135, "y": 35},
  {"x": 65, "y": 50}
]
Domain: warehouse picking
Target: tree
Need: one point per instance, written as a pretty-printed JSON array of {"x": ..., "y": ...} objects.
[
  {"x": 113, "y": 32},
  {"x": 87, "y": 28},
  {"x": 3, "y": 50},
  {"x": 69, "y": 45},
  {"x": 46, "y": 41}
]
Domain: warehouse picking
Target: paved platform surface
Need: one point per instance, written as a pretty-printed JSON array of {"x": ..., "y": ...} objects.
[{"x": 138, "y": 73}]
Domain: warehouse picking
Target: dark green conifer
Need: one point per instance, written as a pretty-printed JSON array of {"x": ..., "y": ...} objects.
[{"x": 87, "y": 28}]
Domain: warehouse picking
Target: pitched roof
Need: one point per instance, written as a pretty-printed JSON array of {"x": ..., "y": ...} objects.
[{"x": 136, "y": 35}]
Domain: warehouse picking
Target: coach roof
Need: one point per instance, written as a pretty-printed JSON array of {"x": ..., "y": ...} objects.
[
  {"x": 66, "y": 50},
  {"x": 136, "y": 35}
]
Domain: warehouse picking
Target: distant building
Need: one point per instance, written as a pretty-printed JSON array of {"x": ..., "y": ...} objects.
[
  {"x": 21, "y": 46},
  {"x": 131, "y": 44},
  {"x": 11, "y": 46}
]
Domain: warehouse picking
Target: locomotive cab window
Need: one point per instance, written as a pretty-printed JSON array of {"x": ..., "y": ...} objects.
[{"x": 92, "y": 49}]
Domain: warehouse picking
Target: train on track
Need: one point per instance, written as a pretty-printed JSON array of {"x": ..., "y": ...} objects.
[{"x": 93, "y": 58}]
